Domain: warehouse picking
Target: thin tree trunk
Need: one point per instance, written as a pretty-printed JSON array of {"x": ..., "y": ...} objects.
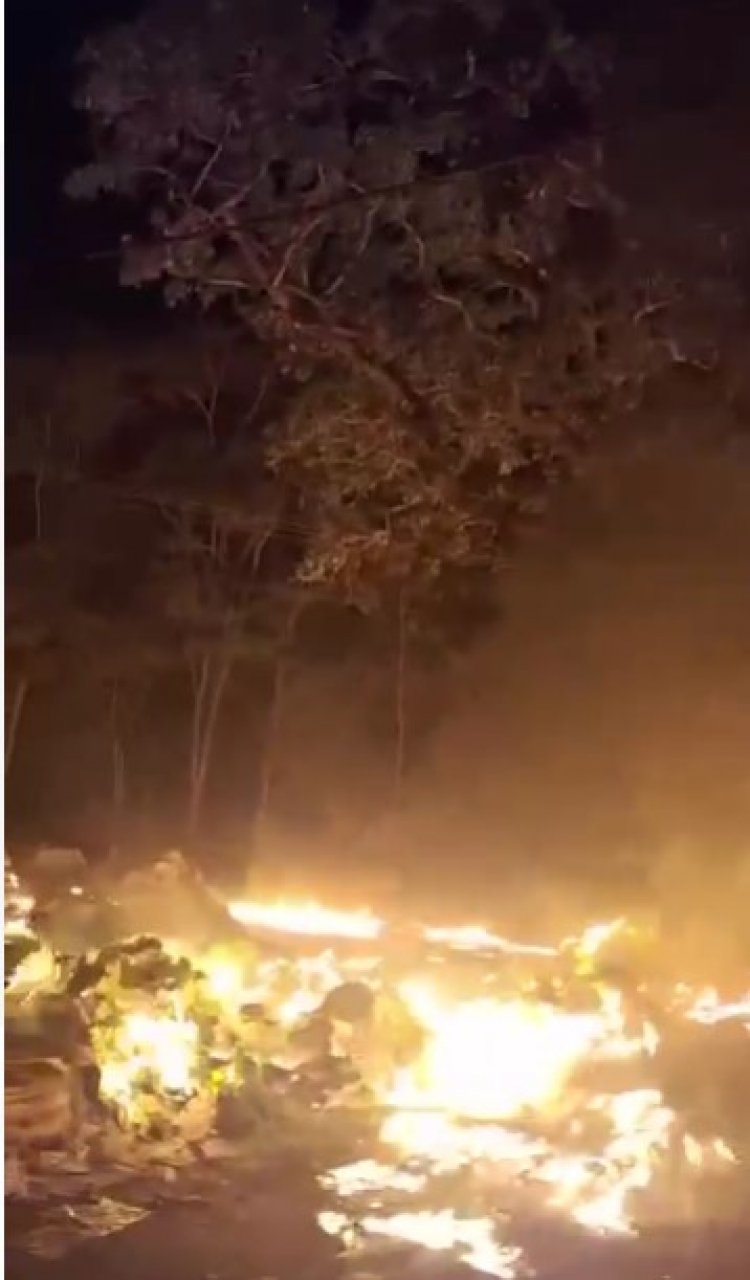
[
  {"x": 273, "y": 722},
  {"x": 200, "y": 676},
  {"x": 399, "y": 759},
  {"x": 17, "y": 705},
  {"x": 118, "y": 763},
  {"x": 215, "y": 698},
  {"x": 39, "y": 479},
  {"x": 268, "y": 758},
  {"x": 209, "y": 685}
]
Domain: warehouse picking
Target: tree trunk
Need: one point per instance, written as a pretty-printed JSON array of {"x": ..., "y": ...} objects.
[
  {"x": 200, "y": 675},
  {"x": 39, "y": 479},
  {"x": 209, "y": 683},
  {"x": 399, "y": 759},
  {"x": 118, "y": 764},
  {"x": 13, "y": 719},
  {"x": 268, "y": 758},
  {"x": 273, "y": 723}
]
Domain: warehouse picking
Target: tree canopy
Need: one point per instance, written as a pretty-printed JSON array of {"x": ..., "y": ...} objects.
[
  {"x": 405, "y": 211},
  {"x": 410, "y": 307}
]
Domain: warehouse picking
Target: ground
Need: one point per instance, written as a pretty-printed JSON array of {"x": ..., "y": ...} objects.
[{"x": 258, "y": 1227}]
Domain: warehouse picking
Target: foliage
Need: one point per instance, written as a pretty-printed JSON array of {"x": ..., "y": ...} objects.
[
  {"x": 421, "y": 311},
  {"x": 395, "y": 207},
  {"x": 139, "y": 536}
]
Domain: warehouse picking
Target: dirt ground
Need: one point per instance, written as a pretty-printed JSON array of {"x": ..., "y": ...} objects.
[{"x": 248, "y": 1230}]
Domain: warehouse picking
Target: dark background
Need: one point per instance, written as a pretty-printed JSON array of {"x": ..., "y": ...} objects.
[
  {"x": 605, "y": 721},
  {"x": 680, "y": 77}
]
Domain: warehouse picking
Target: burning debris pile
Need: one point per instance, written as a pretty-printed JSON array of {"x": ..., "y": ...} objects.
[{"x": 471, "y": 1082}]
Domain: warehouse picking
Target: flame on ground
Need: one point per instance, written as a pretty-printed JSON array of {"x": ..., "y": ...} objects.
[
  {"x": 158, "y": 1051},
  {"x": 708, "y": 1008},
  {"x": 494, "y": 1085},
  {"x": 470, "y": 1239},
  {"x": 491, "y": 1059},
  {"x": 308, "y": 919},
  {"x": 496, "y": 1090},
  {"x": 476, "y": 937}
]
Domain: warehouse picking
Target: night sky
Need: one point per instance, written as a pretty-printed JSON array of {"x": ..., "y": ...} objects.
[{"x": 61, "y": 257}]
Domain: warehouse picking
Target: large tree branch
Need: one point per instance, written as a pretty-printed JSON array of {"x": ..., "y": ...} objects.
[{"x": 342, "y": 341}]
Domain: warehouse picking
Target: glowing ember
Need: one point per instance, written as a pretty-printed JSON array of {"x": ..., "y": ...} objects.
[{"x": 308, "y": 919}]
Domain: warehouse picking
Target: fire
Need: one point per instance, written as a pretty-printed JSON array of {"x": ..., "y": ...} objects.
[
  {"x": 496, "y": 1089},
  {"x": 36, "y": 971},
  {"x": 708, "y": 1008},
  {"x": 308, "y": 919},
  {"x": 490, "y": 1059},
  {"x": 588, "y": 944},
  {"x": 594, "y": 1189},
  {"x": 225, "y": 979},
  {"x": 160, "y": 1049},
  {"x": 372, "y": 1175},
  {"x": 472, "y": 1240},
  {"x": 294, "y": 989},
  {"x": 476, "y": 937},
  {"x": 446, "y": 1145},
  {"x": 18, "y": 906},
  {"x": 316, "y": 978}
]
